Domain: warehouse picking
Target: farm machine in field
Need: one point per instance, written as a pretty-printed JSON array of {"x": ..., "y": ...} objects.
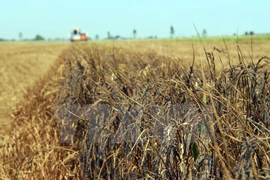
[{"x": 77, "y": 35}]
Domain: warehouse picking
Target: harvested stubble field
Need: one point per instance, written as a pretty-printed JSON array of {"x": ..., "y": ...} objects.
[
  {"x": 144, "y": 110},
  {"x": 21, "y": 65}
]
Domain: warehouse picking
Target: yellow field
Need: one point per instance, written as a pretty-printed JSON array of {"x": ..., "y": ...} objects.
[
  {"x": 21, "y": 65},
  {"x": 37, "y": 78}
]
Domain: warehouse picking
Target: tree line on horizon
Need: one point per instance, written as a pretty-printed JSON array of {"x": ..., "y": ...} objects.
[
  {"x": 36, "y": 38},
  {"x": 109, "y": 36}
]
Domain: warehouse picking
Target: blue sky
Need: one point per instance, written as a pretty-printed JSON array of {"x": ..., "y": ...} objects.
[{"x": 56, "y": 18}]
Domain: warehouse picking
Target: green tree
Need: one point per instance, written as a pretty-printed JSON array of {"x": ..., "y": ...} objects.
[
  {"x": 20, "y": 35},
  {"x": 109, "y": 35},
  {"x": 172, "y": 32},
  {"x": 134, "y": 33},
  {"x": 97, "y": 37},
  {"x": 39, "y": 38},
  {"x": 204, "y": 33}
]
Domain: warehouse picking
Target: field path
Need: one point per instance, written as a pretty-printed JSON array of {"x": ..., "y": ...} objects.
[{"x": 21, "y": 64}]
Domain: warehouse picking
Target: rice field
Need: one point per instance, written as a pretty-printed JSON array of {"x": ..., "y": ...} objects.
[
  {"x": 21, "y": 65},
  {"x": 135, "y": 110}
]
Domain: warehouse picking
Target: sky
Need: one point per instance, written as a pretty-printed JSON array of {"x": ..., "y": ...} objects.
[{"x": 56, "y": 18}]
